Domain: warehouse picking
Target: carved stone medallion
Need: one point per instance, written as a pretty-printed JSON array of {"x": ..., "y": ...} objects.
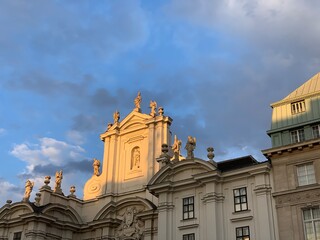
[{"x": 131, "y": 227}]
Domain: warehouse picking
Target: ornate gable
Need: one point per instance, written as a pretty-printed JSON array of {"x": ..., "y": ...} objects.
[{"x": 181, "y": 174}]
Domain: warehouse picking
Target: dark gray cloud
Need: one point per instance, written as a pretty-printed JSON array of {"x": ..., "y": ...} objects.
[
  {"x": 102, "y": 98},
  {"x": 84, "y": 166},
  {"x": 45, "y": 85},
  {"x": 102, "y": 28},
  {"x": 83, "y": 122}
]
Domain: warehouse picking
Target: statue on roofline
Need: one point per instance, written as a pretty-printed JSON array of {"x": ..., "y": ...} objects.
[
  {"x": 190, "y": 146},
  {"x": 153, "y": 106},
  {"x": 137, "y": 102},
  {"x": 28, "y": 189},
  {"x": 176, "y": 148},
  {"x": 96, "y": 167},
  {"x": 116, "y": 117},
  {"x": 58, "y": 180}
]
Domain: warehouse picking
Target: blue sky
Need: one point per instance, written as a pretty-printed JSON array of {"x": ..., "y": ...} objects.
[{"x": 215, "y": 66}]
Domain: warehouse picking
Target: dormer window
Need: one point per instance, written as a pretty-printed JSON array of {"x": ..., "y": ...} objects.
[{"x": 298, "y": 107}]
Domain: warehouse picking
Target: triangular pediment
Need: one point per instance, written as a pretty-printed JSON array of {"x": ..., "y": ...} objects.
[{"x": 134, "y": 120}]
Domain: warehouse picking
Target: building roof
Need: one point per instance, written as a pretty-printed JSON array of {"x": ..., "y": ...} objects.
[
  {"x": 236, "y": 163},
  {"x": 308, "y": 88}
]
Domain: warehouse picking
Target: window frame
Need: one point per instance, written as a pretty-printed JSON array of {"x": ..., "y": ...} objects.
[
  {"x": 298, "y": 107},
  {"x": 310, "y": 177},
  {"x": 243, "y": 236},
  {"x": 188, "y": 208},
  {"x": 189, "y": 236},
  {"x": 316, "y": 131},
  {"x": 241, "y": 197},
  {"x": 297, "y": 135},
  {"x": 17, "y": 235},
  {"x": 312, "y": 220}
]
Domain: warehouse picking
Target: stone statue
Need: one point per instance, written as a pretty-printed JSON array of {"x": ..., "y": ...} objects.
[
  {"x": 137, "y": 102},
  {"x": 135, "y": 158},
  {"x": 109, "y": 126},
  {"x": 59, "y": 176},
  {"x": 116, "y": 117},
  {"x": 96, "y": 167},
  {"x": 176, "y": 148},
  {"x": 190, "y": 146},
  {"x": 28, "y": 189},
  {"x": 153, "y": 106}
]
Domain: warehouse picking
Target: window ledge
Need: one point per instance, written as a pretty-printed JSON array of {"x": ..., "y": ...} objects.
[
  {"x": 241, "y": 212},
  {"x": 188, "y": 220},
  {"x": 307, "y": 186},
  {"x": 238, "y": 219},
  {"x": 192, "y": 225}
]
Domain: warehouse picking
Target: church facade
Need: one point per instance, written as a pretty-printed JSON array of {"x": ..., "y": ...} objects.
[{"x": 144, "y": 189}]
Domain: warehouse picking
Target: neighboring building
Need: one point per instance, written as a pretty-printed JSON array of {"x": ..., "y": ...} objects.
[
  {"x": 145, "y": 189},
  {"x": 295, "y": 159},
  {"x": 206, "y": 200}
]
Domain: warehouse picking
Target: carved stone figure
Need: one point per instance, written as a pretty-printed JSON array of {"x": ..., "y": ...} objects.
[
  {"x": 137, "y": 102},
  {"x": 176, "y": 148},
  {"x": 59, "y": 176},
  {"x": 135, "y": 158},
  {"x": 109, "y": 126},
  {"x": 190, "y": 146},
  {"x": 96, "y": 167},
  {"x": 131, "y": 227},
  {"x": 28, "y": 189},
  {"x": 153, "y": 106},
  {"x": 116, "y": 117}
]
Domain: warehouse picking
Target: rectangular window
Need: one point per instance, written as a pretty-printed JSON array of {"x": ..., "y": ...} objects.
[
  {"x": 306, "y": 174},
  {"x": 17, "y": 236},
  {"x": 240, "y": 199},
  {"x": 298, "y": 107},
  {"x": 188, "y": 207},
  {"x": 316, "y": 131},
  {"x": 311, "y": 221},
  {"x": 243, "y": 233},
  {"x": 297, "y": 136},
  {"x": 188, "y": 236}
]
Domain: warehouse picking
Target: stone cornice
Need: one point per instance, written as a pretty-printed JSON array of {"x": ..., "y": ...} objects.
[{"x": 277, "y": 151}]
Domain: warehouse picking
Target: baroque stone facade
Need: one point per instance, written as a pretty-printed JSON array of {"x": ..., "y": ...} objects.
[{"x": 144, "y": 188}]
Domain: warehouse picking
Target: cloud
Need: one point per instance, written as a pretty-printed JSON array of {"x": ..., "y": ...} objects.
[
  {"x": 42, "y": 84},
  {"x": 82, "y": 122},
  {"x": 276, "y": 27},
  {"x": 75, "y": 137},
  {"x": 84, "y": 166},
  {"x": 47, "y": 151},
  {"x": 9, "y": 191},
  {"x": 50, "y": 155},
  {"x": 81, "y": 30}
]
